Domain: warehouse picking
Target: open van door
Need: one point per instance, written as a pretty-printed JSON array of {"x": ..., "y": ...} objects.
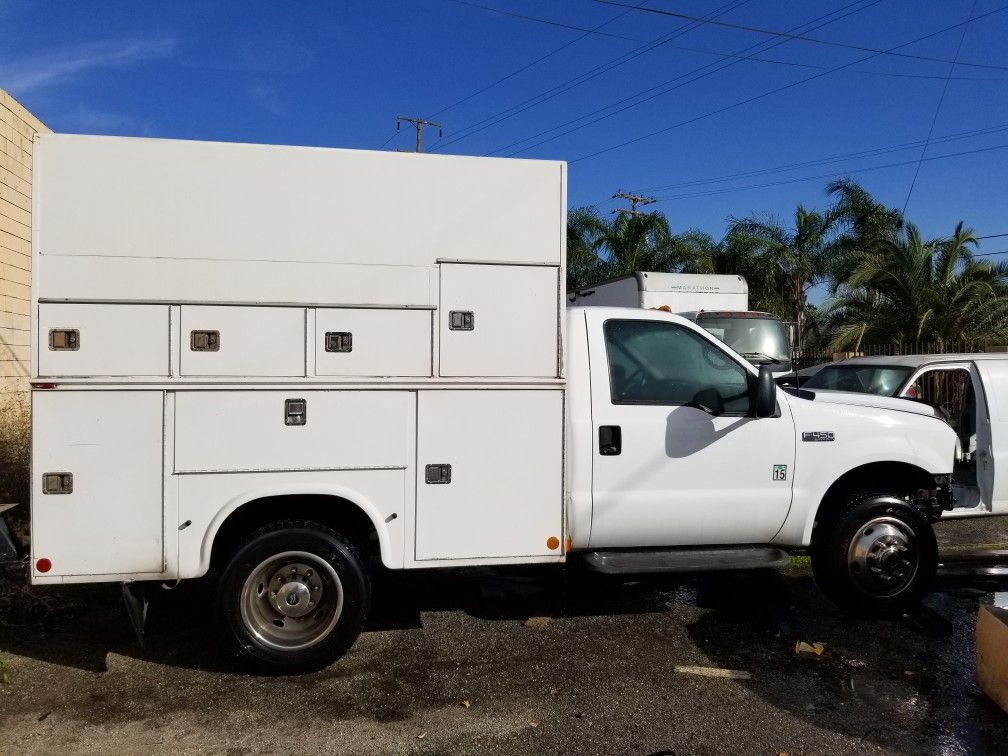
[
  {"x": 958, "y": 391},
  {"x": 982, "y": 439}
]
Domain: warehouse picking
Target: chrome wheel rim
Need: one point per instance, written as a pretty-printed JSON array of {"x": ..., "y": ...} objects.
[
  {"x": 883, "y": 557},
  {"x": 291, "y": 600}
]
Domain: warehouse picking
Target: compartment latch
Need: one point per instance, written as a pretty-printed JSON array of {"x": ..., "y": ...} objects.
[
  {"x": 57, "y": 483},
  {"x": 295, "y": 412},
  {"x": 64, "y": 339},
  {"x": 339, "y": 341},
  {"x": 437, "y": 473},
  {"x": 204, "y": 341},
  {"x": 460, "y": 320}
]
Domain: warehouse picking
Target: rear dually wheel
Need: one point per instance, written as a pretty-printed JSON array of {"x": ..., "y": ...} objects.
[{"x": 292, "y": 598}]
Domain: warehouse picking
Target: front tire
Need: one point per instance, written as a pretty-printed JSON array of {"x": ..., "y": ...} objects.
[
  {"x": 878, "y": 557},
  {"x": 292, "y": 598}
]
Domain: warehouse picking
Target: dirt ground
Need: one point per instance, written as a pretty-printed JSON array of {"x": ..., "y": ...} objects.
[{"x": 521, "y": 661}]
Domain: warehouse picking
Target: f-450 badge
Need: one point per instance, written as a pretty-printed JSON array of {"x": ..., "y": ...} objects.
[{"x": 818, "y": 436}]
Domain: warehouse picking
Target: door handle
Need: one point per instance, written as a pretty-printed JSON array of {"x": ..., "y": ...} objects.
[{"x": 610, "y": 440}]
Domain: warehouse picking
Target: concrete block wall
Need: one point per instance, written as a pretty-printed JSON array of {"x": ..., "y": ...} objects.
[{"x": 17, "y": 129}]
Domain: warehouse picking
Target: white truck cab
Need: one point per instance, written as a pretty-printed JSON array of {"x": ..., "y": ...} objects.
[{"x": 234, "y": 375}]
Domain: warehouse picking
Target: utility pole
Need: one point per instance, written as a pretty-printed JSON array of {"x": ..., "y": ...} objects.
[
  {"x": 634, "y": 200},
  {"x": 419, "y": 124}
]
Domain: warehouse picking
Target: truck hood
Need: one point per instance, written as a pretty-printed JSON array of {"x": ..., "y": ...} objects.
[{"x": 869, "y": 400}]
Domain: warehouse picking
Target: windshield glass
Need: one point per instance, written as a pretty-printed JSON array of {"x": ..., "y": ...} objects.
[
  {"x": 866, "y": 379},
  {"x": 759, "y": 340}
]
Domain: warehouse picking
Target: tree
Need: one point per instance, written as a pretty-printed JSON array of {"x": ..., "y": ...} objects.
[
  {"x": 906, "y": 290},
  {"x": 781, "y": 264},
  {"x": 861, "y": 222},
  {"x": 599, "y": 248}
]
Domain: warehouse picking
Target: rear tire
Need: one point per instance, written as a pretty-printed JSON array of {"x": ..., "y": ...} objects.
[
  {"x": 879, "y": 556},
  {"x": 293, "y": 598}
]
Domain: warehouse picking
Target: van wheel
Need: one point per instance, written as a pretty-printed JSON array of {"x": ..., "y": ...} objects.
[
  {"x": 878, "y": 557},
  {"x": 293, "y": 598}
]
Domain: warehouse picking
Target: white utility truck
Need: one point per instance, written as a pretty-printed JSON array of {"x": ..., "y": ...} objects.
[
  {"x": 717, "y": 303},
  {"x": 245, "y": 366}
]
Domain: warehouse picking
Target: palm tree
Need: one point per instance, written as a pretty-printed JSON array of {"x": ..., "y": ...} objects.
[
  {"x": 781, "y": 264},
  {"x": 907, "y": 290},
  {"x": 599, "y": 248},
  {"x": 861, "y": 222}
]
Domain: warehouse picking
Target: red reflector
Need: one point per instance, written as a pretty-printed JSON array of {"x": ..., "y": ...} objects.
[
  {"x": 43, "y": 565},
  {"x": 44, "y": 385}
]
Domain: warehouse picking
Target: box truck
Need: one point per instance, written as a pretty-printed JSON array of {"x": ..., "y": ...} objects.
[
  {"x": 717, "y": 303},
  {"x": 243, "y": 367}
]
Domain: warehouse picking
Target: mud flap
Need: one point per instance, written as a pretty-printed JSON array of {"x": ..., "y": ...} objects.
[{"x": 135, "y": 599}]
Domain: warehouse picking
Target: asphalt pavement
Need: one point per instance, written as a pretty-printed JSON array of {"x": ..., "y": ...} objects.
[{"x": 513, "y": 662}]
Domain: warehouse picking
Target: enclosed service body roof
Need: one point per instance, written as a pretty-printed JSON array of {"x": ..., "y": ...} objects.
[{"x": 125, "y": 219}]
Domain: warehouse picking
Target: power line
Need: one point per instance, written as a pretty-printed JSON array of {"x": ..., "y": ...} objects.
[
  {"x": 941, "y": 99},
  {"x": 799, "y": 37},
  {"x": 990, "y": 254},
  {"x": 587, "y": 33},
  {"x": 527, "y": 66},
  {"x": 781, "y": 182},
  {"x": 467, "y": 131},
  {"x": 664, "y": 88},
  {"x": 992, "y": 236},
  {"x": 873, "y": 152},
  {"x": 697, "y": 50},
  {"x": 774, "y": 91}
]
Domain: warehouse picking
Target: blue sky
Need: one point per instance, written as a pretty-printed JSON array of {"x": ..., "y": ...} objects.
[{"x": 337, "y": 74}]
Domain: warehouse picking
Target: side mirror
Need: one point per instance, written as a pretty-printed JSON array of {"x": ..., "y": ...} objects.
[{"x": 764, "y": 393}]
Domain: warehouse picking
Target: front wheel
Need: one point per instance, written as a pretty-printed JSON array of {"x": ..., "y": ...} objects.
[
  {"x": 879, "y": 557},
  {"x": 293, "y": 598}
]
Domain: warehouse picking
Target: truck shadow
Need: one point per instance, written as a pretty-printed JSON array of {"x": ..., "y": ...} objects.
[{"x": 877, "y": 679}]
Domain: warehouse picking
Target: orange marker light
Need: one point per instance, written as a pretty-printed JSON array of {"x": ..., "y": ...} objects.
[{"x": 552, "y": 543}]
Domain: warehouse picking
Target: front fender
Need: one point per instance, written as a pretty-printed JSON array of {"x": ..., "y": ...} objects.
[{"x": 862, "y": 437}]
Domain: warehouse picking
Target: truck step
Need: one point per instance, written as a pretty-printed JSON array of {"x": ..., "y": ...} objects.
[{"x": 640, "y": 561}]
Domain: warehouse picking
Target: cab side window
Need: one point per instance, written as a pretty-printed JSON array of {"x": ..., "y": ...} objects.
[{"x": 652, "y": 362}]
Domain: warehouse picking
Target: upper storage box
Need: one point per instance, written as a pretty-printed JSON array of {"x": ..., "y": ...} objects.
[
  {"x": 123, "y": 219},
  {"x": 373, "y": 342},
  {"x": 243, "y": 341},
  {"x": 500, "y": 320},
  {"x": 86, "y": 340}
]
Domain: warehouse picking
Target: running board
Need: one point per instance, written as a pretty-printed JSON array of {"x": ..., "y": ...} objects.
[{"x": 685, "y": 560}]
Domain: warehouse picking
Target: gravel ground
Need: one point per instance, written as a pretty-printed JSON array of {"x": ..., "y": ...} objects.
[{"x": 544, "y": 660}]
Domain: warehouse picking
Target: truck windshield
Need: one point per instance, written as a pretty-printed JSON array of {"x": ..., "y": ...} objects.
[
  {"x": 759, "y": 340},
  {"x": 884, "y": 380}
]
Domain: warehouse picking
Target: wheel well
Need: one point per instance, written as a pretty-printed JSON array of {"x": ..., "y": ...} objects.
[
  {"x": 335, "y": 512},
  {"x": 884, "y": 477}
]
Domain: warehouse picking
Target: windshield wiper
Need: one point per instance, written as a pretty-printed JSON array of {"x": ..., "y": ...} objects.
[{"x": 761, "y": 356}]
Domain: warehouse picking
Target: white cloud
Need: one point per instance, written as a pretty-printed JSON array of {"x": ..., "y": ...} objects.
[
  {"x": 59, "y": 66},
  {"x": 87, "y": 120},
  {"x": 266, "y": 98}
]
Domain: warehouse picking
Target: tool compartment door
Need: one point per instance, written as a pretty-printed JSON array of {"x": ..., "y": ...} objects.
[
  {"x": 91, "y": 340},
  {"x": 372, "y": 342},
  {"x": 499, "y": 320},
  {"x": 503, "y": 495},
  {"x": 222, "y": 340},
  {"x": 111, "y": 442}
]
